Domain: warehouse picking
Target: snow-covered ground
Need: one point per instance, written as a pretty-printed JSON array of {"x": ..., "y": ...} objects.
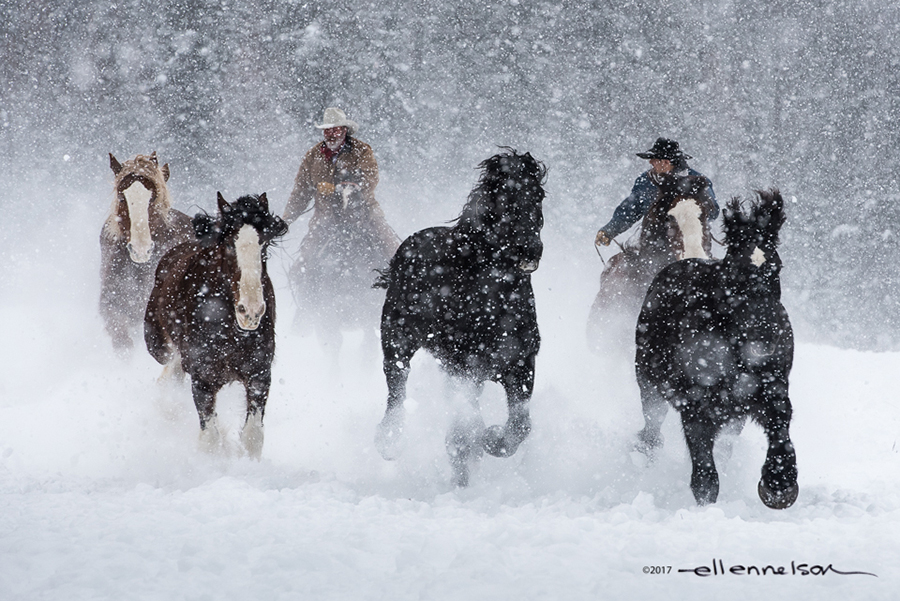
[{"x": 105, "y": 495}]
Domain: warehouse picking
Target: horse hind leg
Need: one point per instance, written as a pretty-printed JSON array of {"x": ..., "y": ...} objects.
[
  {"x": 700, "y": 434},
  {"x": 389, "y": 433}
]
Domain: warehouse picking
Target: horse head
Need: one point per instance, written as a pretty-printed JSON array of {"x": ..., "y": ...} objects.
[
  {"x": 142, "y": 199},
  {"x": 752, "y": 270},
  {"x": 244, "y": 231},
  {"x": 752, "y": 235},
  {"x": 505, "y": 207}
]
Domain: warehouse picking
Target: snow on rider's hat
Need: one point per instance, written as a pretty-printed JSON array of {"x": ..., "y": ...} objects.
[
  {"x": 664, "y": 148},
  {"x": 335, "y": 117}
]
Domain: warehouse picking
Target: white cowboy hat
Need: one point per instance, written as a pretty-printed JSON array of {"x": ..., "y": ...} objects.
[{"x": 335, "y": 117}]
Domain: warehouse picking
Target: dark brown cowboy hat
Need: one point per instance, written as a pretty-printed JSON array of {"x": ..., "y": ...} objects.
[{"x": 664, "y": 148}]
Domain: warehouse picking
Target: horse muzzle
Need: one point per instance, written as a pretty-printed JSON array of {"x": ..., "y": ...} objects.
[
  {"x": 140, "y": 253},
  {"x": 249, "y": 318},
  {"x": 528, "y": 266}
]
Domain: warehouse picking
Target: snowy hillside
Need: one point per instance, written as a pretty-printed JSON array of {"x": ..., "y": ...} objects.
[{"x": 104, "y": 494}]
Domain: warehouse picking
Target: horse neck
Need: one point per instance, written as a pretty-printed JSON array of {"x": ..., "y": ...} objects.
[
  {"x": 693, "y": 232},
  {"x": 747, "y": 277}
]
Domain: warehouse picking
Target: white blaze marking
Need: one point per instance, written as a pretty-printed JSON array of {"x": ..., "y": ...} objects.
[
  {"x": 758, "y": 257},
  {"x": 138, "y": 198},
  {"x": 249, "y": 306},
  {"x": 687, "y": 214}
]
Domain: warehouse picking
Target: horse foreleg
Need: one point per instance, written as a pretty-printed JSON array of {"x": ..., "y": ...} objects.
[
  {"x": 655, "y": 408},
  {"x": 504, "y": 441},
  {"x": 700, "y": 434},
  {"x": 252, "y": 434},
  {"x": 778, "y": 485},
  {"x": 389, "y": 433},
  {"x": 205, "y": 402},
  {"x": 463, "y": 441}
]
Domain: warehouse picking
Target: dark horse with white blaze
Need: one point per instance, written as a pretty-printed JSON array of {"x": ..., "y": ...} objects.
[
  {"x": 675, "y": 227},
  {"x": 212, "y": 312},
  {"x": 141, "y": 227},
  {"x": 464, "y": 294},
  {"x": 714, "y": 341}
]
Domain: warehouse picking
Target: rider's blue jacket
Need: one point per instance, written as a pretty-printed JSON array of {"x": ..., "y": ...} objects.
[{"x": 642, "y": 196}]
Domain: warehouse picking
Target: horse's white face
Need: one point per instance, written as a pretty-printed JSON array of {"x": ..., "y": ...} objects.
[
  {"x": 140, "y": 245},
  {"x": 687, "y": 215},
  {"x": 250, "y": 305}
]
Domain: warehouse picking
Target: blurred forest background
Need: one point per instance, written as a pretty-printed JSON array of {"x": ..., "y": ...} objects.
[{"x": 798, "y": 94}]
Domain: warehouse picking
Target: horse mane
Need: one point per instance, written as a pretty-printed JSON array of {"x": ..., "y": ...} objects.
[
  {"x": 755, "y": 226},
  {"x": 503, "y": 171},
  {"x": 146, "y": 166},
  {"x": 251, "y": 210}
]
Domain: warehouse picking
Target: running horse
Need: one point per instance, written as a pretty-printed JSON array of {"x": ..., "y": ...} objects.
[
  {"x": 141, "y": 227},
  {"x": 464, "y": 294},
  {"x": 714, "y": 341},
  {"x": 676, "y": 227},
  {"x": 212, "y": 313}
]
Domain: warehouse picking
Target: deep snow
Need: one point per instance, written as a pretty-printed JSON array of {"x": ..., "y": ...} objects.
[{"x": 104, "y": 494}]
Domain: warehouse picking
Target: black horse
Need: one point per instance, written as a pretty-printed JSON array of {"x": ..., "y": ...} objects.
[
  {"x": 464, "y": 294},
  {"x": 714, "y": 340}
]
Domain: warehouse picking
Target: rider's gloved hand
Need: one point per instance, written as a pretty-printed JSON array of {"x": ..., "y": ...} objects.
[
  {"x": 325, "y": 188},
  {"x": 602, "y": 239}
]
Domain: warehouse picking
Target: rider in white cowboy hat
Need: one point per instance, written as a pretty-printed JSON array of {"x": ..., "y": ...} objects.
[
  {"x": 666, "y": 158},
  {"x": 338, "y": 177}
]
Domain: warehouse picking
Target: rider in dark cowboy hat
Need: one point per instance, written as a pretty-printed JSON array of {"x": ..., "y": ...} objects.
[{"x": 665, "y": 158}]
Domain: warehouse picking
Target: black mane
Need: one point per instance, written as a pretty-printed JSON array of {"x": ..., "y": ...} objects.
[{"x": 251, "y": 210}]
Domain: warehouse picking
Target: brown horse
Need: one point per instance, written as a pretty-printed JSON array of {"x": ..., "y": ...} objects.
[
  {"x": 676, "y": 227},
  {"x": 141, "y": 227},
  {"x": 212, "y": 313}
]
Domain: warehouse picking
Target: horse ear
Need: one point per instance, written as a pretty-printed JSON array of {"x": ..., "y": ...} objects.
[
  {"x": 224, "y": 207},
  {"x": 264, "y": 202},
  {"x": 114, "y": 164},
  {"x": 153, "y": 158},
  {"x": 165, "y": 171}
]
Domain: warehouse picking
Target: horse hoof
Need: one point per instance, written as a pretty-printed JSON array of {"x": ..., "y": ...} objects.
[
  {"x": 389, "y": 436},
  {"x": 210, "y": 439},
  {"x": 496, "y": 442},
  {"x": 647, "y": 443},
  {"x": 774, "y": 499}
]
